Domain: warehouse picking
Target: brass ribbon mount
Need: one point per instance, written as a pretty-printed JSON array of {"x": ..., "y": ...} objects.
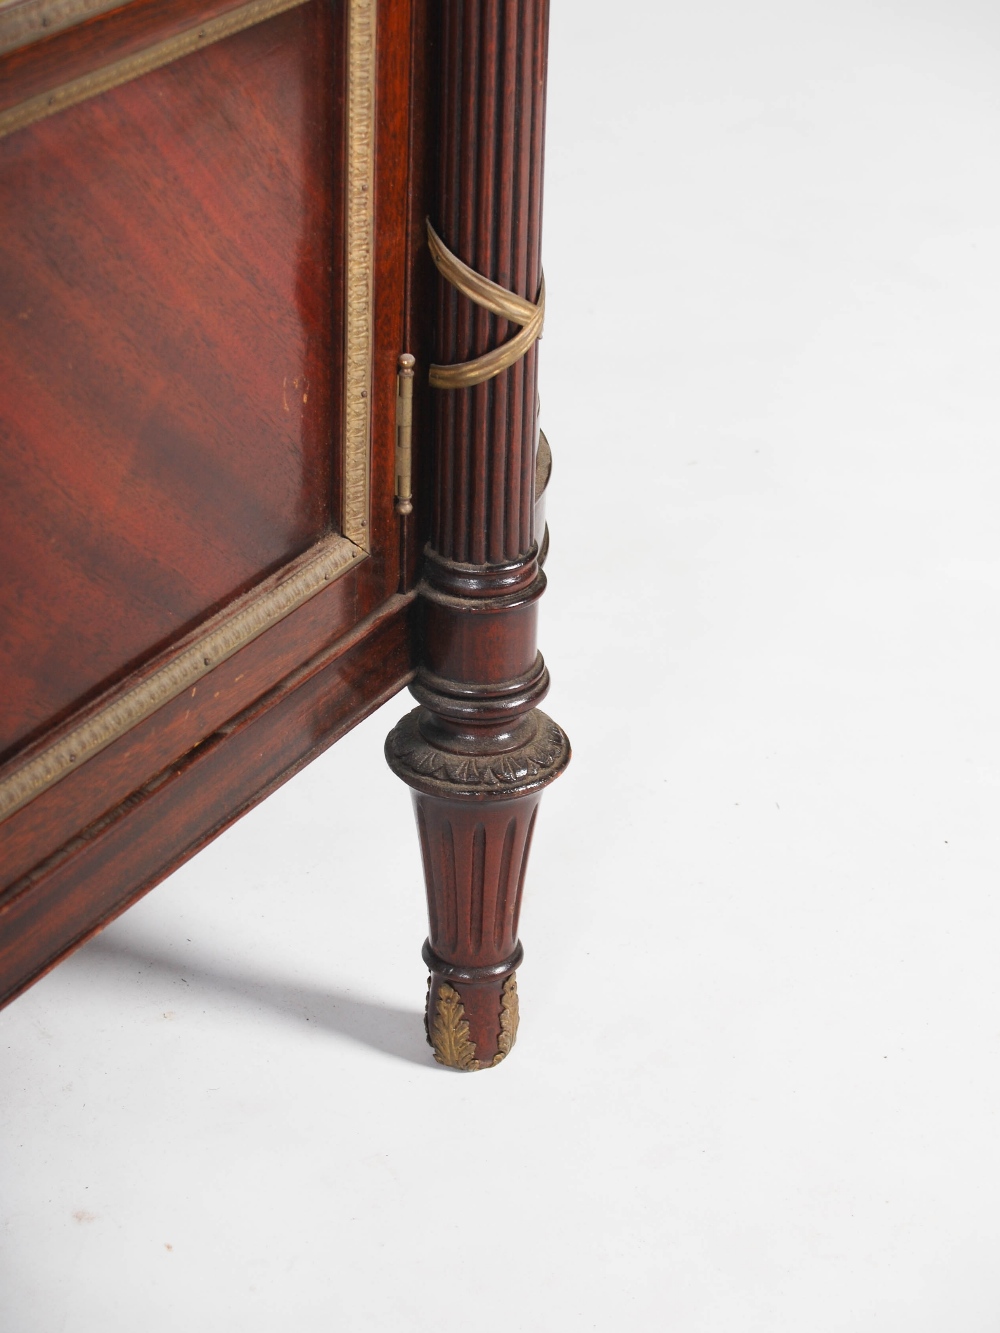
[{"x": 491, "y": 296}]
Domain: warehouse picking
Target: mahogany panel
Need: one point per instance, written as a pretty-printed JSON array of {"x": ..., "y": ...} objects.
[
  {"x": 89, "y": 844},
  {"x": 166, "y": 356},
  {"x": 159, "y": 827},
  {"x": 327, "y": 622}
]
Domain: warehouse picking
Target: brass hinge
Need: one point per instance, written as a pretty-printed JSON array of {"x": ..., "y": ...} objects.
[{"x": 404, "y": 434}]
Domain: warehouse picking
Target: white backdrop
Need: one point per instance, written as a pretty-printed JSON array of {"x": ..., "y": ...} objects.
[{"x": 757, "y": 1083}]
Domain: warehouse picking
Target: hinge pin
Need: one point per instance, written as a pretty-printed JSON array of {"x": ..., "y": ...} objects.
[{"x": 404, "y": 434}]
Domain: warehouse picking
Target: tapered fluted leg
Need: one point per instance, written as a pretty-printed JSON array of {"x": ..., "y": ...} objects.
[
  {"x": 478, "y": 752},
  {"x": 475, "y": 835}
]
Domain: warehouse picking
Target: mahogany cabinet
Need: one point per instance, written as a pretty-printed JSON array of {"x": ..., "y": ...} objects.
[{"x": 270, "y": 293}]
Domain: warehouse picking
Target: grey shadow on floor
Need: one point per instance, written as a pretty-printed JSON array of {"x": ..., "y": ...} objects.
[{"x": 395, "y": 1032}]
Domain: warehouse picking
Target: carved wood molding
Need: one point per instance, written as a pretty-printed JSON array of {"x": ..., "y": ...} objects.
[{"x": 441, "y": 773}]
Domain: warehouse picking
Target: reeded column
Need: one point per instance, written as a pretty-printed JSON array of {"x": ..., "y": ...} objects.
[{"x": 478, "y": 752}]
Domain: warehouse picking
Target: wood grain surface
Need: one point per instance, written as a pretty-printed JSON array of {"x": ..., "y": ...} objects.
[
  {"x": 156, "y": 828},
  {"x": 187, "y": 232},
  {"x": 165, "y": 347},
  {"x": 25, "y": 21}
]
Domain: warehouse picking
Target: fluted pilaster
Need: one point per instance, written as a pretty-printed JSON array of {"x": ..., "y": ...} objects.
[{"x": 489, "y": 214}]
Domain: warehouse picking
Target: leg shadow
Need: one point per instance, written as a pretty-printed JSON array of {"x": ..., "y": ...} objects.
[{"x": 395, "y": 1032}]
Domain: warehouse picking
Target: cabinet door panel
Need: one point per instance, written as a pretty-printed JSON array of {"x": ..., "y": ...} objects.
[
  {"x": 168, "y": 357},
  {"x": 208, "y": 272}
]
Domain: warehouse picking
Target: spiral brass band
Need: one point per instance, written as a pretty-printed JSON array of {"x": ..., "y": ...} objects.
[
  {"x": 490, "y": 295},
  {"x": 498, "y": 301},
  {"x": 469, "y": 976}
]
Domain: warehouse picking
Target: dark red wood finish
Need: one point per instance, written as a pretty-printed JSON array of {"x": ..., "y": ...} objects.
[
  {"x": 43, "y": 825},
  {"x": 176, "y": 480},
  {"x": 489, "y": 206},
  {"x": 166, "y": 358},
  {"x": 98, "y": 41},
  {"x": 122, "y": 855},
  {"x": 85, "y": 848},
  {"x": 478, "y": 752},
  {"x": 23, "y": 22}
]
